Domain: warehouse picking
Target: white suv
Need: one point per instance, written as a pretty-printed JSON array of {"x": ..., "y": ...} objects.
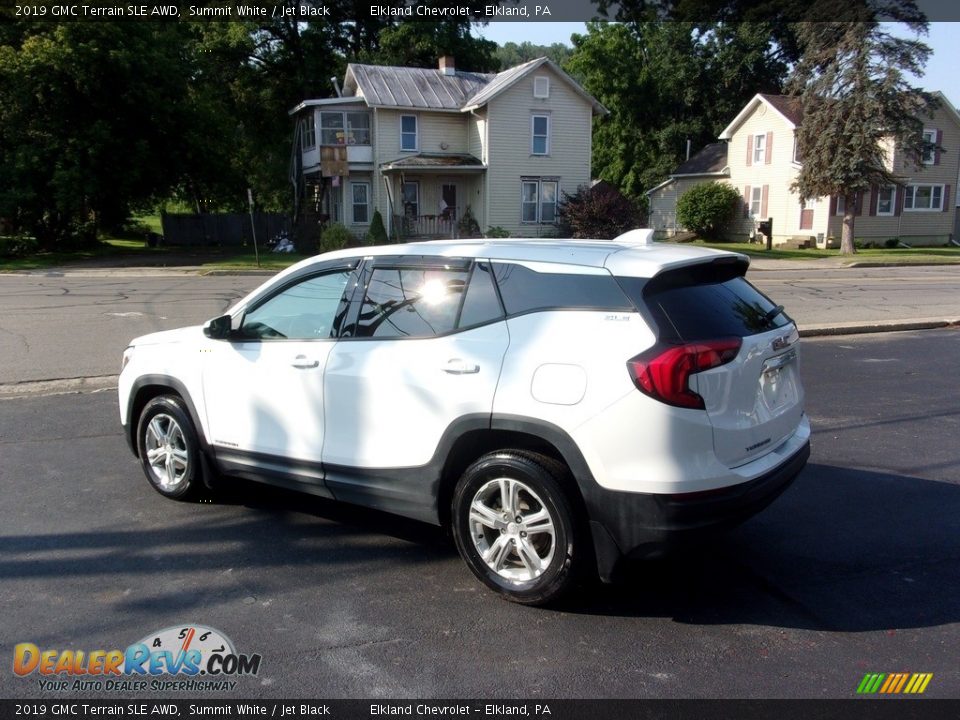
[{"x": 558, "y": 404}]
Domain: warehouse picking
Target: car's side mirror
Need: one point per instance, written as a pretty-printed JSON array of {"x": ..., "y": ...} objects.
[{"x": 219, "y": 328}]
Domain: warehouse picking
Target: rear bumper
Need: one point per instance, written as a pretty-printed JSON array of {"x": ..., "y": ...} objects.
[{"x": 642, "y": 525}]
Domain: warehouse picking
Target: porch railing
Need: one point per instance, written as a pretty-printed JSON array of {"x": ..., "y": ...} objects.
[{"x": 423, "y": 226}]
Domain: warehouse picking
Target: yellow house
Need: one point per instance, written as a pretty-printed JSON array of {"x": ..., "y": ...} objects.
[
  {"x": 761, "y": 162},
  {"x": 425, "y": 146}
]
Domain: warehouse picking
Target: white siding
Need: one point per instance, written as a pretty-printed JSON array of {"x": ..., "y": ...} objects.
[{"x": 509, "y": 156}]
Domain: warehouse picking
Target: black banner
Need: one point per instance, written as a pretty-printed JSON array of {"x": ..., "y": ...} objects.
[
  {"x": 476, "y": 10},
  {"x": 887, "y": 709}
]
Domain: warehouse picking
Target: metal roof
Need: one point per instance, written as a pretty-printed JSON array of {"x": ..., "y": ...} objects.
[{"x": 410, "y": 87}]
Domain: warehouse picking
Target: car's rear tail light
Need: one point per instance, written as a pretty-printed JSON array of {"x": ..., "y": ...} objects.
[{"x": 663, "y": 372}]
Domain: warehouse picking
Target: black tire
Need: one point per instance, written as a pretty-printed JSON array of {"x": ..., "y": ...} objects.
[
  {"x": 165, "y": 426},
  {"x": 512, "y": 571}
]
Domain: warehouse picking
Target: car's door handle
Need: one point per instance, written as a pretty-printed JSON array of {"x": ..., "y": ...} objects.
[
  {"x": 302, "y": 361},
  {"x": 456, "y": 366}
]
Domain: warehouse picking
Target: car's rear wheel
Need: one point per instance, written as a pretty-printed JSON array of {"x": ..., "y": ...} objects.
[
  {"x": 168, "y": 448},
  {"x": 515, "y": 528}
]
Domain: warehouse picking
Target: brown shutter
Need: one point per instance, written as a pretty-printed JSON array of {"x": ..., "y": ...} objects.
[
  {"x": 858, "y": 204},
  {"x": 936, "y": 153},
  {"x": 749, "y": 150},
  {"x": 768, "y": 152},
  {"x": 763, "y": 201},
  {"x": 874, "y": 193},
  {"x": 746, "y": 207},
  {"x": 946, "y": 198},
  {"x": 898, "y": 195},
  {"x": 833, "y": 205}
]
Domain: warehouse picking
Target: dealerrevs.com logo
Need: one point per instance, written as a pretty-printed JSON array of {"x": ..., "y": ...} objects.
[{"x": 183, "y": 657}]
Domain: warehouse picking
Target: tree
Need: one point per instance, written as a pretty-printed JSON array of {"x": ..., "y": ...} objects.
[
  {"x": 90, "y": 121},
  {"x": 707, "y": 208},
  {"x": 855, "y": 100},
  {"x": 665, "y": 84},
  {"x": 511, "y": 54},
  {"x": 420, "y": 44},
  {"x": 600, "y": 212}
]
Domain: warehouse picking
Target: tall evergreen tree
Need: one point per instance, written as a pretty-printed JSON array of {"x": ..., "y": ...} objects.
[{"x": 856, "y": 100}]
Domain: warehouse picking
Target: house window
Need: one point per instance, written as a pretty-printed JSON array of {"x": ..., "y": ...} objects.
[
  {"x": 358, "y": 128},
  {"x": 309, "y": 130},
  {"x": 885, "y": 200},
  {"x": 756, "y": 200},
  {"x": 538, "y": 200},
  {"x": 918, "y": 198},
  {"x": 929, "y": 152},
  {"x": 759, "y": 149},
  {"x": 540, "y": 135},
  {"x": 344, "y": 128},
  {"x": 411, "y": 199},
  {"x": 541, "y": 87},
  {"x": 408, "y": 133},
  {"x": 332, "y": 128},
  {"x": 796, "y": 149},
  {"x": 361, "y": 202}
]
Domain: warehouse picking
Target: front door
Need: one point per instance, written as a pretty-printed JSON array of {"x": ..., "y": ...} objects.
[
  {"x": 265, "y": 405},
  {"x": 448, "y": 202}
]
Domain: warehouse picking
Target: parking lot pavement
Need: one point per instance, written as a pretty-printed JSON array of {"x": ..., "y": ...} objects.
[{"x": 854, "y": 570}]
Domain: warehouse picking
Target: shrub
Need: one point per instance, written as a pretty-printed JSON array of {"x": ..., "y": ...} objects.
[
  {"x": 334, "y": 237},
  {"x": 892, "y": 242},
  {"x": 14, "y": 246},
  {"x": 495, "y": 231},
  {"x": 377, "y": 234},
  {"x": 707, "y": 208},
  {"x": 600, "y": 212},
  {"x": 468, "y": 225}
]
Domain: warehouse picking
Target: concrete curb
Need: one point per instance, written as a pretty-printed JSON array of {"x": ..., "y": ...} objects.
[
  {"x": 861, "y": 328},
  {"x": 64, "y": 386}
]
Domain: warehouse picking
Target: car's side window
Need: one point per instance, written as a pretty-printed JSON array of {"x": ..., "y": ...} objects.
[
  {"x": 303, "y": 311},
  {"x": 411, "y": 302},
  {"x": 480, "y": 304},
  {"x": 525, "y": 290}
]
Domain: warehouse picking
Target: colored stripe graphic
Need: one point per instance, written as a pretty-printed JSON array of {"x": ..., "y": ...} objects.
[{"x": 894, "y": 683}]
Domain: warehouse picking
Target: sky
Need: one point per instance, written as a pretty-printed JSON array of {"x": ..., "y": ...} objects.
[{"x": 941, "y": 74}]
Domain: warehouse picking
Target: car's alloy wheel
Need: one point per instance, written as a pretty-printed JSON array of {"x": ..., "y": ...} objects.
[
  {"x": 168, "y": 447},
  {"x": 514, "y": 527}
]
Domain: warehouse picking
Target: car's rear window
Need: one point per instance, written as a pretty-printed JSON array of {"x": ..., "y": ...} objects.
[{"x": 704, "y": 302}]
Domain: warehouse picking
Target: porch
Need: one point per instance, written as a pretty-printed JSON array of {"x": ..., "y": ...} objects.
[{"x": 434, "y": 196}]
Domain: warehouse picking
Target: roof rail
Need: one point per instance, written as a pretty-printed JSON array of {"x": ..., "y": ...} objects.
[{"x": 638, "y": 236}]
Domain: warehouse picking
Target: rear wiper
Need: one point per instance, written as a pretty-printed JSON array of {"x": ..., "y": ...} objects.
[{"x": 768, "y": 318}]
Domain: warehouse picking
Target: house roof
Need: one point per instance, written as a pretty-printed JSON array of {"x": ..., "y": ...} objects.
[
  {"x": 785, "y": 106},
  {"x": 710, "y": 161},
  {"x": 434, "y": 161},
  {"x": 506, "y": 79},
  {"x": 411, "y": 88}
]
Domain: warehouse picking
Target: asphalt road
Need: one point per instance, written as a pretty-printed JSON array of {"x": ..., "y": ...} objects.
[
  {"x": 76, "y": 325},
  {"x": 855, "y": 569}
]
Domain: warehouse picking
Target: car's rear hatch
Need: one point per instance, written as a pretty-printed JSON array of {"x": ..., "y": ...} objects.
[{"x": 753, "y": 396}]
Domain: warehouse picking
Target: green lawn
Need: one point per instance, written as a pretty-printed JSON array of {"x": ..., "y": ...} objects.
[{"x": 886, "y": 256}]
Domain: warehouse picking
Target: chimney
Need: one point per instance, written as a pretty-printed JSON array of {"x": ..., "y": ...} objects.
[{"x": 446, "y": 65}]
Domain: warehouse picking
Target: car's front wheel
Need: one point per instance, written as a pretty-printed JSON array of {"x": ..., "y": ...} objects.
[
  {"x": 515, "y": 528},
  {"x": 168, "y": 447}
]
